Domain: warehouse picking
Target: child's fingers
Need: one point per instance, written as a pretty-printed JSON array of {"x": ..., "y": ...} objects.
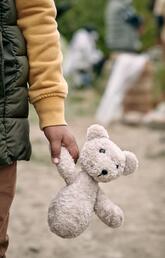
[
  {"x": 60, "y": 135},
  {"x": 55, "y": 148}
]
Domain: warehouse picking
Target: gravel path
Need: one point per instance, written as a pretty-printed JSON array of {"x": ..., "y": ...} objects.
[{"x": 141, "y": 195}]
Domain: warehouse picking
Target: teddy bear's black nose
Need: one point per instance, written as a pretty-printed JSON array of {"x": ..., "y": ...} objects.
[{"x": 104, "y": 172}]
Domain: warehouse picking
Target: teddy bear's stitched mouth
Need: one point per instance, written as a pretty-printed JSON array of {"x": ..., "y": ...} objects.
[{"x": 104, "y": 172}]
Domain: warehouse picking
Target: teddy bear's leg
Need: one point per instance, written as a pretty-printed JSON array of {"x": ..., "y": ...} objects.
[
  {"x": 70, "y": 211},
  {"x": 107, "y": 211},
  {"x": 66, "y": 167}
]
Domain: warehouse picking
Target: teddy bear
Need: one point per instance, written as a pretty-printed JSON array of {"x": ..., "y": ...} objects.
[{"x": 101, "y": 160}]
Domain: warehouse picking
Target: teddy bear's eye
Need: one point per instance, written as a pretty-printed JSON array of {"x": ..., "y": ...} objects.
[
  {"x": 117, "y": 166},
  {"x": 102, "y": 151}
]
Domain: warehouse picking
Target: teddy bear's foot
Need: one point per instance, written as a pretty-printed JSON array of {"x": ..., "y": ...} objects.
[
  {"x": 117, "y": 219},
  {"x": 107, "y": 211},
  {"x": 66, "y": 225},
  {"x": 70, "y": 211}
]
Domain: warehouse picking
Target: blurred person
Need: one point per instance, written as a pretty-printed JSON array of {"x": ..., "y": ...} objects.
[
  {"x": 83, "y": 56},
  {"x": 159, "y": 12},
  {"x": 47, "y": 91},
  {"x": 157, "y": 7},
  {"x": 123, "y": 27}
]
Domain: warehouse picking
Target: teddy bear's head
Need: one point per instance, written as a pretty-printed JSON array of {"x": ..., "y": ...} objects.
[{"x": 102, "y": 159}]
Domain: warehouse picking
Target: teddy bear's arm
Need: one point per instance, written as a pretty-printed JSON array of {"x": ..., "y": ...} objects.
[
  {"x": 107, "y": 211},
  {"x": 66, "y": 167}
]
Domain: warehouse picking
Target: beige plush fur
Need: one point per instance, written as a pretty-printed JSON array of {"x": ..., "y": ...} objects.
[{"x": 101, "y": 160}]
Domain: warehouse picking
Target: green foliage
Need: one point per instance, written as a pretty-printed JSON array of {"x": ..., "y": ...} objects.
[
  {"x": 149, "y": 34},
  {"x": 84, "y": 12},
  {"x": 92, "y": 12}
]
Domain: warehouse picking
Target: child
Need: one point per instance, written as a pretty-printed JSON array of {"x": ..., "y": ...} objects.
[
  {"x": 123, "y": 26},
  {"x": 47, "y": 91}
]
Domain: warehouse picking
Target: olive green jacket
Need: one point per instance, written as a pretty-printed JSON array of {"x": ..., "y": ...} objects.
[{"x": 14, "y": 128}]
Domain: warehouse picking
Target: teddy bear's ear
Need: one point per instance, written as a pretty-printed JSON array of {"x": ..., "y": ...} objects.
[
  {"x": 96, "y": 131},
  {"x": 131, "y": 163}
]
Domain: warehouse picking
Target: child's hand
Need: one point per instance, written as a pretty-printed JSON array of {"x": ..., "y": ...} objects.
[{"x": 60, "y": 136}]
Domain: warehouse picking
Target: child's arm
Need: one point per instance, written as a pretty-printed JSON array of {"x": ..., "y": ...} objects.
[{"x": 48, "y": 88}]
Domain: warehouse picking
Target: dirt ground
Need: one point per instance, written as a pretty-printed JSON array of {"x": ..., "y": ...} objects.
[{"x": 141, "y": 196}]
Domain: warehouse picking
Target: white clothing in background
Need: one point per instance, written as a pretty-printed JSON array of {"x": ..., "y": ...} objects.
[
  {"x": 126, "y": 70},
  {"x": 82, "y": 53}
]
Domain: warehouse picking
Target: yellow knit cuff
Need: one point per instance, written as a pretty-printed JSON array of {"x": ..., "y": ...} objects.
[{"x": 50, "y": 111}]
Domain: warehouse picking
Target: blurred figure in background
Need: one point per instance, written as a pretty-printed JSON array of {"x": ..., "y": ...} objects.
[
  {"x": 123, "y": 27},
  {"x": 156, "y": 117},
  {"x": 159, "y": 13},
  {"x": 157, "y": 7},
  {"x": 82, "y": 57}
]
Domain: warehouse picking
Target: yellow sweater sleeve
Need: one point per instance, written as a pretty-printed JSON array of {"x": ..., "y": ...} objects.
[{"x": 47, "y": 90}]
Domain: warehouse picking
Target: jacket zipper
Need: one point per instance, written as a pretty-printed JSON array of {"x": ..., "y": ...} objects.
[{"x": 2, "y": 88}]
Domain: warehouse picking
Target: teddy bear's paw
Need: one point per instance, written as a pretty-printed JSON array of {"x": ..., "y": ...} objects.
[
  {"x": 117, "y": 218},
  {"x": 66, "y": 167}
]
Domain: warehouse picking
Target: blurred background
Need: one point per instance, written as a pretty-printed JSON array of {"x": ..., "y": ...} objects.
[{"x": 114, "y": 62}]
